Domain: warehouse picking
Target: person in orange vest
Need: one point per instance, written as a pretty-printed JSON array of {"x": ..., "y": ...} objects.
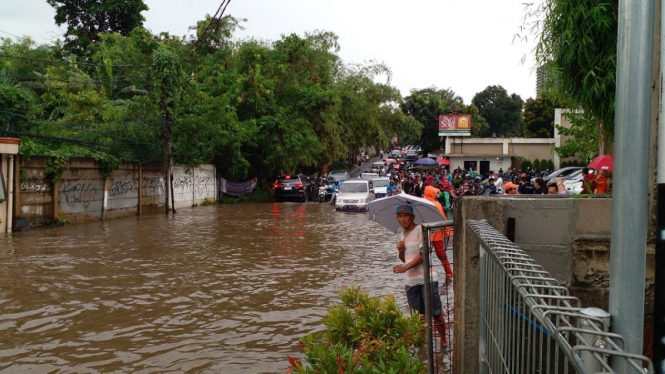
[
  {"x": 437, "y": 236},
  {"x": 601, "y": 183}
]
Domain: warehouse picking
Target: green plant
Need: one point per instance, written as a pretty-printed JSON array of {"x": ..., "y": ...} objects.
[
  {"x": 537, "y": 164},
  {"x": 363, "y": 335},
  {"x": 207, "y": 202}
]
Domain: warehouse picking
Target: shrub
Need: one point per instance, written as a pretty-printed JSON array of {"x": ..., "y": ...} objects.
[
  {"x": 363, "y": 335},
  {"x": 536, "y": 165},
  {"x": 550, "y": 165}
]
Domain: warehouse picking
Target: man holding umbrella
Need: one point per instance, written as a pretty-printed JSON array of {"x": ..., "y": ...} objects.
[{"x": 410, "y": 251}]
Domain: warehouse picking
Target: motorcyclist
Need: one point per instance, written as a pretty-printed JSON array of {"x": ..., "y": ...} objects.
[
  {"x": 335, "y": 185},
  {"x": 392, "y": 189}
]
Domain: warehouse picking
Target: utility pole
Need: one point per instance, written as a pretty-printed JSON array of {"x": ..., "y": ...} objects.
[
  {"x": 169, "y": 77},
  {"x": 166, "y": 132},
  {"x": 631, "y": 161}
]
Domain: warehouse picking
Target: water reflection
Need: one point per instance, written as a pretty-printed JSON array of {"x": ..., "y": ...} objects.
[{"x": 212, "y": 289}]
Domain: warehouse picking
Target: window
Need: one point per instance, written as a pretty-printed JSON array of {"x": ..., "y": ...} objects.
[{"x": 3, "y": 188}]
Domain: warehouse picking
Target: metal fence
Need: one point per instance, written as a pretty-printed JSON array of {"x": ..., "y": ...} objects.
[
  {"x": 439, "y": 355},
  {"x": 529, "y": 323}
]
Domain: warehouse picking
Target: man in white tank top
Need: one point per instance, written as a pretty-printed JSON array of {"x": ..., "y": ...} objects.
[{"x": 410, "y": 252}]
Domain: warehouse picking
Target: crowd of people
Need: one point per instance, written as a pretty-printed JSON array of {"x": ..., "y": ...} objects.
[{"x": 460, "y": 182}]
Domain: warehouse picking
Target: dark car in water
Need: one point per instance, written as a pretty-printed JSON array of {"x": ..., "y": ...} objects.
[{"x": 290, "y": 188}]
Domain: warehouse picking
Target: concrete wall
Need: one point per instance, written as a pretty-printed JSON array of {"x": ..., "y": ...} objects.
[
  {"x": 82, "y": 193},
  {"x": 476, "y": 149},
  {"x": 529, "y": 148},
  {"x": 569, "y": 237}
]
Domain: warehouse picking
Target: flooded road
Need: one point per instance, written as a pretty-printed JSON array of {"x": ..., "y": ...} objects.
[{"x": 219, "y": 289}]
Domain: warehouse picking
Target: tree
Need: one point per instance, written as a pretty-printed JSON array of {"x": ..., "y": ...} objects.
[
  {"x": 578, "y": 47},
  {"x": 539, "y": 117},
  {"x": 87, "y": 19},
  {"x": 425, "y": 106},
  {"x": 479, "y": 124},
  {"x": 502, "y": 112}
]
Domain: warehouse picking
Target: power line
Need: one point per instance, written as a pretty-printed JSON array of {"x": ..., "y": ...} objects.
[
  {"x": 68, "y": 62},
  {"x": 214, "y": 23},
  {"x": 9, "y": 33}
]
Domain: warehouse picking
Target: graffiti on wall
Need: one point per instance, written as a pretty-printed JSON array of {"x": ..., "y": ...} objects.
[
  {"x": 79, "y": 194},
  {"x": 182, "y": 183},
  {"x": 152, "y": 186},
  {"x": 123, "y": 186},
  {"x": 205, "y": 184},
  {"x": 36, "y": 185}
]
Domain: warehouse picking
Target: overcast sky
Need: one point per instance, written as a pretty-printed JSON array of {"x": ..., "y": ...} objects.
[{"x": 464, "y": 45}]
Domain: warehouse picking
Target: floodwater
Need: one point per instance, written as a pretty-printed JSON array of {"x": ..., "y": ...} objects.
[{"x": 218, "y": 289}]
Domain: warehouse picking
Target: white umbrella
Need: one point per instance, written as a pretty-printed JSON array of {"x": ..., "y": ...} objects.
[{"x": 383, "y": 211}]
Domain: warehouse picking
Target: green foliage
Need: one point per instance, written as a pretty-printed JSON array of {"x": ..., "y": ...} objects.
[
  {"x": 539, "y": 117},
  {"x": 537, "y": 165},
  {"x": 253, "y": 108},
  {"x": 550, "y": 165},
  {"x": 86, "y": 20},
  {"x": 584, "y": 138},
  {"x": 502, "y": 112},
  {"x": 479, "y": 124},
  {"x": 578, "y": 48},
  {"x": 363, "y": 335},
  {"x": 425, "y": 106}
]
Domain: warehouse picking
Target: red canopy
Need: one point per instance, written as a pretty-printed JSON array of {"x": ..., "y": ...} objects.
[{"x": 605, "y": 162}]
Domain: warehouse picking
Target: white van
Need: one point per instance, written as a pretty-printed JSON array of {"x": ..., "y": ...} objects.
[{"x": 355, "y": 195}]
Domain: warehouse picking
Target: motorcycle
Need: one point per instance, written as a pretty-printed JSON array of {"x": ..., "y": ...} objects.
[
  {"x": 324, "y": 194},
  {"x": 333, "y": 199}
]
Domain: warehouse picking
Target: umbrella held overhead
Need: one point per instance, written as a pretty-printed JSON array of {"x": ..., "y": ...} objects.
[{"x": 382, "y": 211}]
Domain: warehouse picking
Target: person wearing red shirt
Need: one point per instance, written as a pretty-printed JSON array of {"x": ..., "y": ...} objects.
[{"x": 588, "y": 183}]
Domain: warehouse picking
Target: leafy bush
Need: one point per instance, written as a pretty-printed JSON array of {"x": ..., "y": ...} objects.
[
  {"x": 363, "y": 335},
  {"x": 550, "y": 165},
  {"x": 537, "y": 165}
]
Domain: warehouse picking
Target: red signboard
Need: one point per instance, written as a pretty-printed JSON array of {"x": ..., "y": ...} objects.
[{"x": 455, "y": 125}]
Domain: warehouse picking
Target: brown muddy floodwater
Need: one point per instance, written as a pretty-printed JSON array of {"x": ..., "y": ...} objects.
[{"x": 219, "y": 289}]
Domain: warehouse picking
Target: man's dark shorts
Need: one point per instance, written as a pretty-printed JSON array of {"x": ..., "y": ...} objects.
[{"x": 415, "y": 296}]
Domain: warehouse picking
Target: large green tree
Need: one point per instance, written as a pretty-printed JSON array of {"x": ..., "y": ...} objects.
[
  {"x": 87, "y": 19},
  {"x": 425, "y": 106},
  {"x": 253, "y": 108},
  {"x": 539, "y": 117},
  {"x": 503, "y": 112},
  {"x": 578, "y": 47}
]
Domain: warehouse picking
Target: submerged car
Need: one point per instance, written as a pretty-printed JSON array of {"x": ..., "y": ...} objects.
[
  {"x": 377, "y": 166},
  {"x": 355, "y": 195},
  {"x": 340, "y": 175},
  {"x": 380, "y": 187},
  {"x": 290, "y": 188}
]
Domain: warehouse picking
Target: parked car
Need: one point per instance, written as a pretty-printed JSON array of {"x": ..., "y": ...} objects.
[
  {"x": 411, "y": 155},
  {"x": 564, "y": 173},
  {"x": 367, "y": 175},
  {"x": 573, "y": 183},
  {"x": 377, "y": 166},
  {"x": 380, "y": 186},
  {"x": 355, "y": 195},
  {"x": 340, "y": 175},
  {"x": 290, "y": 188},
  {"x": 311, "y": 187}
]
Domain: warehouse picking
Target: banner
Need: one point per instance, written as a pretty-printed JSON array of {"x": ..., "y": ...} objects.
[
  {"x": 455, "y": 125},
  {"x": 237, "y": 189}
]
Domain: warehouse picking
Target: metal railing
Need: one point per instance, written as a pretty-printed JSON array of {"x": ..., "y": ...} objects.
[
  {"x": 438, "y": 355},
  {"x": 529, "y": 323}
]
